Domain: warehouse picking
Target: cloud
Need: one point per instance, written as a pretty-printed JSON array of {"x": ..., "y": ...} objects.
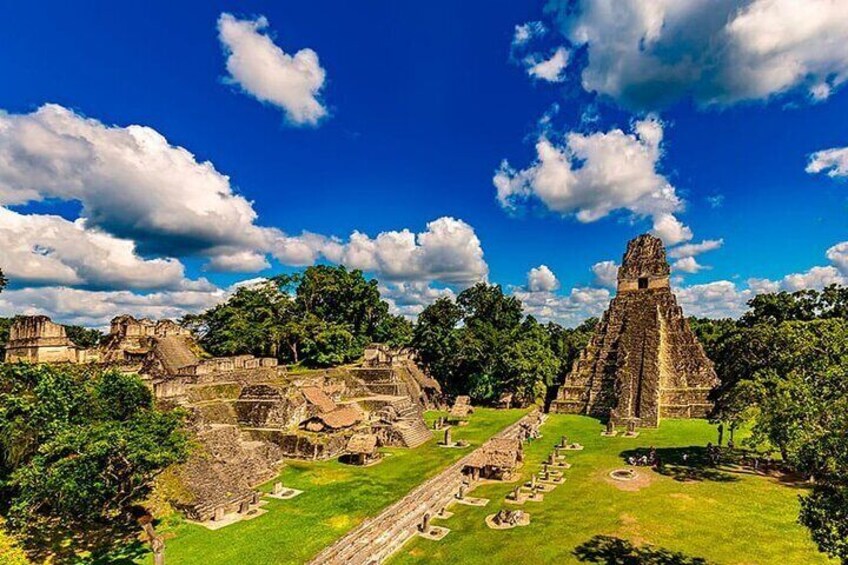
[
  {"x": 526, "y": 32},
  {"x": 96, "y": 308},
  {"x": 568, "y": 310},
  {"x": 549, "y": 69},
  {"x": 142, "y": 196},
  {"x": 131, "y": 183},
  {"x": 670, "y": 229},
  {"x": 410, "y": 299},
  {"x": 816, "y": 277},
  {"x": 718, "y": 299},
  {"x": 687, "y": 265},
  {"x": 693, "y": 249},
  {"x": 541, "y": 279},
  {"x": 239, "y": 262},
  {"x": 448, "y": 251},
  {"x": 838, "y": 256},
  {"x": 606, "y": 273},
  {"x": 715, "y": 201},
  {"x": 833, "y": 162},
  {"x": 646, "y": 54},
  {"x": 50, "y": 250},
  {"x": 592, "y": 175},
  {"x": 266, "y": 72}
]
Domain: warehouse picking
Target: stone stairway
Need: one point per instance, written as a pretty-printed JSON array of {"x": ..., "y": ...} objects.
[
  {"x": 373, "y": 541},
  {"x": 413, "y": 432},
  {"x": 410, "y": 423}
]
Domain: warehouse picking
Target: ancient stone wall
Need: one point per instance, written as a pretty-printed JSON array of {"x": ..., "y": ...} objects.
[{"x": 36, "y": 339}]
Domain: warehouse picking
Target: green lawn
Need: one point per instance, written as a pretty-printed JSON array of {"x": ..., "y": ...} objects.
[
  {"x": 728, "y": 518},
  {"x": 337, "y": 497}
]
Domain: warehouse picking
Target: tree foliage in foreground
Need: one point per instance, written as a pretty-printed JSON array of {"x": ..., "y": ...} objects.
[
  {"x": 321, "y": 317},
  {"x": 784, "y": 372},
  {"x": 79, "y": 449},
  {"x": 483, "y": 345}
]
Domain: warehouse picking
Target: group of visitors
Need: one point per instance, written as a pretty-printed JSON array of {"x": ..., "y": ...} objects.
[{"x": 650, "y": 459}]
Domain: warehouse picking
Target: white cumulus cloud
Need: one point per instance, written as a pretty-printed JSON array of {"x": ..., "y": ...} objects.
[
  {"x": 606, "y": 273},
  {"x": 448, "y": 251},
  {"x": 132, "y": 183},
  {"x": 593, "y": 175},
  {"x": 49, "y": 250},
  {"x": 649, "y": 53},
  {"x": 293, "y": 83},
  {"x": 833, "y": 161},
  {"x": 549, "y": 69},
  {"x": 693, "y": 249},
  {"x": 542, "y": 279},
  {"x": 527, "y": 31},
  {"x": 95, "y": 308},
  {"x": 717, "y": 299},
  {"x": 410, "y": 299},
  {"x": 687, "y": 265},
  {"x": 568, "y": 310}
]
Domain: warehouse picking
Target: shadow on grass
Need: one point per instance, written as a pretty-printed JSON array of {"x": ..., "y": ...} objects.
[
  {"x": 611, "y": 550},
  {"x": 691, "y": 463},
  {"x": 127, "y": 554}
]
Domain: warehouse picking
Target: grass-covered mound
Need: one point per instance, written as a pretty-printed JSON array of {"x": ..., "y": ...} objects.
[{"x": 721, "y": 517}]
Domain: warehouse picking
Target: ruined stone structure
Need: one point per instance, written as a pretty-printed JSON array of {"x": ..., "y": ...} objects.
[
  {"x": 643, "y": 363},
  {"x": 247, "y": 413},
  {"x": 36, "y": 339}
]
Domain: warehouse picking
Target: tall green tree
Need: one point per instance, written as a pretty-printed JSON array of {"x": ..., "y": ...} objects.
[
  {"x": 3, "y": 281},
  {"x": 482, "y": 346},
  {"x": 322, "y": 316},
  {"x": 79, "y": 449},
  {"x": 436, "y": 341},
  {"x": 789, "y": 382}
]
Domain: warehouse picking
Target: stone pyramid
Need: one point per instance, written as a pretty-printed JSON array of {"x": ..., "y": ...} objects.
[{"x": 644, "y": 362}]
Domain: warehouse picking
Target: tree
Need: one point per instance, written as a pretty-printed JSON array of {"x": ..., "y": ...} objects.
[
  {"x": 480, "y": 346},
  {"x": 567, "y": 343},
  {"x": 528, "y": 364},
  {"x": 84, "y": 337},
  {"x": 322, "y": 316},
  {"x": 3, "y": 281},
  {"x": 789, "y": 382},
  {"x": 248, "y": 322},
  {"x": 825, "y": 514},
  {"x": 79, "y": 449},
  {"x": 436, "y": 341},
  {"x": 338, "y": 296}
]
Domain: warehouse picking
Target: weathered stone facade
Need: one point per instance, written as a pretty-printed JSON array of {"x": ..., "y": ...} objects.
[
  {"x": 643, "y": 363},
  {"x": 36, "y": 339}
]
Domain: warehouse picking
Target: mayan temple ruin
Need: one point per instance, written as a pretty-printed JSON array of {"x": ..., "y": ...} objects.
[
  {"x": 643, "y": 362},
  {"x": 248, "y": 413}
]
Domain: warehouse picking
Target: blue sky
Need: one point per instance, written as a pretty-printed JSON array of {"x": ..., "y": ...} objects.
[{"x": 400, "y": 116}]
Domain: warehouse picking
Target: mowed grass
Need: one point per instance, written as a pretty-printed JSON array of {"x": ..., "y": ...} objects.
[
  {"x": 336, "y": 498},
  {"x": 728, "y": 518}
]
